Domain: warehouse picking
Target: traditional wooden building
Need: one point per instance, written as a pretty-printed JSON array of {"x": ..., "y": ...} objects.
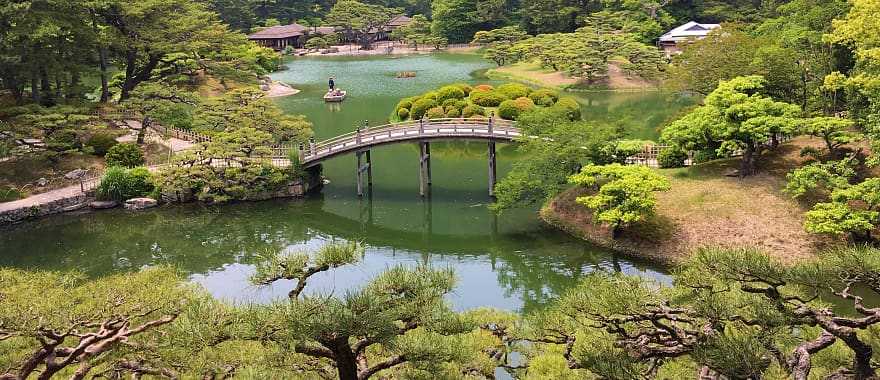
[
  {"x": 673, "y": 40},
  {"x": 280, "y": 37}
]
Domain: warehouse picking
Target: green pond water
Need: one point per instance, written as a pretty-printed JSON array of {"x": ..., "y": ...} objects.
[{"x": 510, "y": 261}]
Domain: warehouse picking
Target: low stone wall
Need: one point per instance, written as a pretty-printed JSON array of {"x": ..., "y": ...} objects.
[{"x": 66, "y": 204}]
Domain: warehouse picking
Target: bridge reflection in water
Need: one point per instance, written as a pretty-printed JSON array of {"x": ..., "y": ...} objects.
[{"x": 422, "y": 131}]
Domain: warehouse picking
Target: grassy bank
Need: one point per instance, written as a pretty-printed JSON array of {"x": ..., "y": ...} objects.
[
  {"x": 533, "y": 74},
  {"x": 707, "y": 208}
]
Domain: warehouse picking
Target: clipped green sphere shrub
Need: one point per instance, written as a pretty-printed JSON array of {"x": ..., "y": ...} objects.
[
  {"x": 101, "y": 143},
  {"x": 420, "y": 107},
  {"x": 483, "y": 87},
  {"x": 514, "y": 90},
  {"x": 453, "y": 112},
  {"x": 449, "y": 92},
  {"x": 568, "y": 106},
  {"x": 473, "y": 110},
  {"x": 489, "y": 98},
  {"x": 466, "y": 88},
  {"x": 433, "y": 95},
  {"x": 544, "y": 97},
  {"x": 511, "y": 109},
  {"x": 436, "y": 113},
  {"x": 63, "y": 140},
  {"x": 403, "y": 113},
  {"x": 125, "y": 155},
  {"x": 672, "y": 157},
  {"x": 405, "y": 103}
]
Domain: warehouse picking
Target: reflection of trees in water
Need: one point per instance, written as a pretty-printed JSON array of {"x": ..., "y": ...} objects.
[
  {"x": 539, "y": 265},
  {"x": 639, "y": 115}
]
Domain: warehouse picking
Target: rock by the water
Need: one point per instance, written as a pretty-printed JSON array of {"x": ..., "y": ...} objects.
[
  {"x": 101, "y": 205},
  {"x": 76, "y": 207},
  {"x": 140, "y": 203},
  {"x": 42, "y": 182},
  {"x": 264, "y": 87},
  {"x": 75, "y": 174}
]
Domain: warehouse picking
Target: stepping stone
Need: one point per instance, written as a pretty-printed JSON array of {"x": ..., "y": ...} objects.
[
  {"x": 102, "y": 205},
  {"x": 140, "y": 203}
]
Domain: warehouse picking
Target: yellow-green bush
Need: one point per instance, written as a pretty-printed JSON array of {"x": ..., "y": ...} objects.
[{"x": 511, "y": 109}]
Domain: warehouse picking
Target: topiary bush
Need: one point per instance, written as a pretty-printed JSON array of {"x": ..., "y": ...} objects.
[
  {"x": 436, "y": 113},
  {"x": 544, "y": 97},
  {"x": 672, "y": 157},
  {"x": 420, "y": 107},
  {"x": 483, "y": 87},
  {"x": 126, "y": 155},
  {"x": 449, "y": 93},
  {"x": 473, "y": 110},
  {"x": 403, "y": 113},
  {"x": 433, "y": 95},
  {"x": 453, "y": 112},
  {"x": 101, "y": 143},
  {"x": 405, "y": 103},
  {"x": 489, "y": 98},
  {"x": 466, "y": 88},
  {"x": 511, "y": 109},
  {"x": 569, "y": 107},
  {"x": 514, "y": 90},
  {"x": 119, "y": 184},
  {"x": 63, "y": 140}
]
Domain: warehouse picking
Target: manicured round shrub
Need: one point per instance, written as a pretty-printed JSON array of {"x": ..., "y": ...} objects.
[
  {"x": 453, "y": 112},
  {"x": 514, "y": 90},
  {"x": 511, "y": 109},
  {"x": 436, "y": 113},
  {"x": 119, "y": 184},
  {"x": 466, "y": 88},
  {"x": 473, "y": 110},
  {"x": 125, "y": 155},
  {"x": 483, "y": 87},
  {"x": 420, "y": 107},
  {"x": 405, "y": 103},
  {"x": 433, "y": 95},
  {"x": 403, "y": 113},
  {"x": 544, "y": 97},
  {"x": 449, "y": 92},
  {"x": 101, "y": 143},
  {"x": 672, "y": 157},
  {"x": 450, "y": 103},
  {"x": 568, "y": 106},
  {"x": 489, "y": 98}
]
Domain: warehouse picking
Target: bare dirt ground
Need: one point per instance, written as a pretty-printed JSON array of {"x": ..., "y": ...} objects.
[{"x": 705, "y": 208}]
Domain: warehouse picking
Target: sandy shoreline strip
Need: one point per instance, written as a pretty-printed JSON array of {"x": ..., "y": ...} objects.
[{"x": 280, "y": 89}]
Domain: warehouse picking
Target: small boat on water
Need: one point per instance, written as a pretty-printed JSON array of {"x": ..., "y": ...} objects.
[{"x": 334, "y": 96}]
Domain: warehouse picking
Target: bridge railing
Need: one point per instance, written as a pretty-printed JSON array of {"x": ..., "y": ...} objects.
[{"x": 477, "y": 127}]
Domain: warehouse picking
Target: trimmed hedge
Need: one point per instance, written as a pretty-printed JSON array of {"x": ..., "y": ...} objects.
[
  {"x": 403, "y": 113},
  {"x": 449, "y": 93},
  {"x": 420, "y": 107},
  {"x": 544, "y": 97},
  {"x": 569, "y": 106},
  {"x": 489, "y": 98},
  {"x": 511, "y": 109},
  {"x": 672, "y": 157},
  {"x": 436, "y": 113},
  {"x": 514, "y": 90},
  {"x": 101, "y": 143},
  {"x": 473, "y": 110}
]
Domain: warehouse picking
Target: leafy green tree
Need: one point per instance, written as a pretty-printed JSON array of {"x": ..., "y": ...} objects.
[
  {"x": 249, "y": 108},
  {"x": 724, "y": 54},
  {"x": 358, "y": 20},
  {"x": 459, "y": 20},
  {"x": 61, "y": 323},
  {"x": 399, "y": 319},
  {"x": 125, "y": 155},
  {"x": 622, "y": 195},
  {"x": 563, "y": 148},
  {"x": 737, "y": 118},
  {"x": 834, "y": 131},
  {"x": 853, "y": 210},
  {"x": 818, "y": 179}
]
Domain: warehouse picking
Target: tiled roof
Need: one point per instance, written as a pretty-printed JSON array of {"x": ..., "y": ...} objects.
[
  {"x": 283, "y": 31},
  {"x": 689, "y": 30}
]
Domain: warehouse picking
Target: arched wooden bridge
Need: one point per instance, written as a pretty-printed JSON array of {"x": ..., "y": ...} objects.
[{"x": 422, "y": 131}]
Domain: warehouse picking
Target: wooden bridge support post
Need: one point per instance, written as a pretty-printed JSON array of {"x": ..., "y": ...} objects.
[
  {"x": 312, "y": 147},
  {"x": 424, "y": 167},
  {"x": 492, "y": 170},
  {"x": 364, "y": 167},
  {"x": 491, "y": 123}
]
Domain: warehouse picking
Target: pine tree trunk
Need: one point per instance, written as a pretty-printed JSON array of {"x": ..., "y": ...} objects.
[
  {"x": 105, "y": 88},
  {"x": 346, "y": 361},
  {"x": 747, "y": 166}
]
